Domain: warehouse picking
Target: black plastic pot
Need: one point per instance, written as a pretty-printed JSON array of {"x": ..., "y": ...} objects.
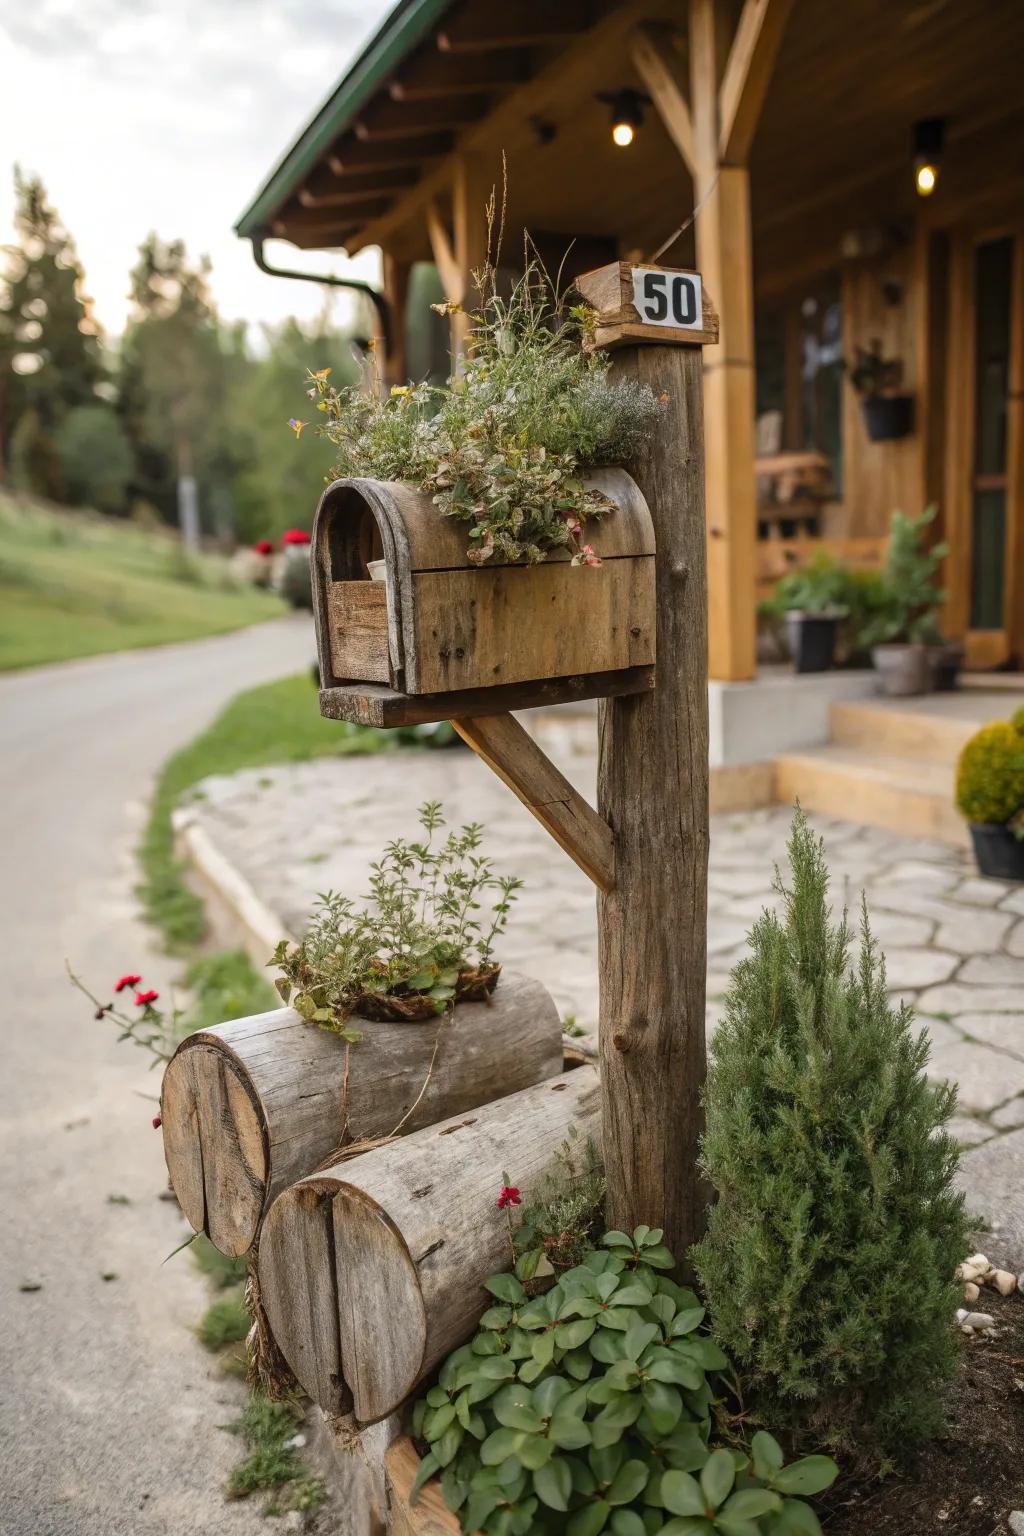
[
  {"x": 812, "y": 640},
  {"x": 945, "y": 661},
  {"x": 1000, "y": 855},
  {"x": 888, "y": 417}
]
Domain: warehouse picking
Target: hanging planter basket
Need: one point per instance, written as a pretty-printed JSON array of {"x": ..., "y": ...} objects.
[{"x": 888, "y": 417}]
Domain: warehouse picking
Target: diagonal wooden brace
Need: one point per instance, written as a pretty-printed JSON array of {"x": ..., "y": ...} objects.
[{"x": 509, "y": 749}]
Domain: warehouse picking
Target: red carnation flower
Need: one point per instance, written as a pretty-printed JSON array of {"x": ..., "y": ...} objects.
[
  {"x": 142, "y": 999},
  {"x": 295, "y": 536},
  {"x": 264, "y": 547},
  {"x": 509, "y": 1196},
  {"x": 157, "y": 1122},
  {"x": 126, "y": 982}
]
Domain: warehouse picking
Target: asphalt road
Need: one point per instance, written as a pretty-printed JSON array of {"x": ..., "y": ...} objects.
[{"x": 109, "y": 1408}]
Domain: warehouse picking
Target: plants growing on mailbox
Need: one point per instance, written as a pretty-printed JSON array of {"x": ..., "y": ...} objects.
[
  {"x": 423, "y": 943},
  {"x": 501, "y": 446}
]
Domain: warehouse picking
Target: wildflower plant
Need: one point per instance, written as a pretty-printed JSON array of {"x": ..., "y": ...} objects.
[
  {"x": 589, "y": 1409},
  {"x": 423, "y": 942},
  {"x": 503, "y": 445}
]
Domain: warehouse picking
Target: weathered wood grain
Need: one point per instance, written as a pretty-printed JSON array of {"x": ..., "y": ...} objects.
[
  {"x": 430, "y": 1516},
  {"x": 372, "y": 704},
  {"x": 297, "y": 1290},
  {"x": 653, "y": 791},
  {"x": 510, "y": 751},
  {"x": 416, "y": 1231},
  {"x": 358, "y": 618},
  {"x": 609, "y": 291},
  {"x": 253, "y": 1105}
]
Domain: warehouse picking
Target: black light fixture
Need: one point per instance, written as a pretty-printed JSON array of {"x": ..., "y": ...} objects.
[
  {"x": 929, "y": 141},
  {"x": 627, "y": 113}
]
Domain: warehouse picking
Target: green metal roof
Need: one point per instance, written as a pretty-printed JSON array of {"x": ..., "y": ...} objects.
[{"x": 402, "y": 29}]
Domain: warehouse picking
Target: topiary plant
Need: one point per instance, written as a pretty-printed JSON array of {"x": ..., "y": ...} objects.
[
  {"x": 587, "y": 1409},
  {"x": 829, "y": 1258},
  {"x": 910, "y": 597},
  {"x": 990, "y": 772}
]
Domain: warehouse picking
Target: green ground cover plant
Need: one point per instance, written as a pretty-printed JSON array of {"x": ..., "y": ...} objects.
[
  {"x": 829, "y": 1258},
  {"x": 272, "y": 1463},
  {"x": 79, "y": 585}
]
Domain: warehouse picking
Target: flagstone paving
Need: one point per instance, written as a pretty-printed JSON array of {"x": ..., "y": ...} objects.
[{"x": 954, "y": 942}]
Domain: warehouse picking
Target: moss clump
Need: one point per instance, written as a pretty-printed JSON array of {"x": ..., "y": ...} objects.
[
  {"x": 829, "y": 1258},
  {"x": 225, "y": 1321},
  {"x": 990, "y": 773}
]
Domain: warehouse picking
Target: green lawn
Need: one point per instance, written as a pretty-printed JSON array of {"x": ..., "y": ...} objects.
[
  {"x": 73, "y": 584},
  {"x": 275, "y": 723}
]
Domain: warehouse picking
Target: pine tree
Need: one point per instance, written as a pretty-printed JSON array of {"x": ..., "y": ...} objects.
[
  {"x": 50, "y": 352},
  {"x": 829, "y": 1258}
]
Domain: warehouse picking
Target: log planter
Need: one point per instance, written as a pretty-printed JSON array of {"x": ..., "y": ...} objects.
[
  {"x": 251, "y": 1106},
  {"x": 429, "y": 1516},
  {"x": 372, "y": 1271},
  {"x": 441, "y": 638}
]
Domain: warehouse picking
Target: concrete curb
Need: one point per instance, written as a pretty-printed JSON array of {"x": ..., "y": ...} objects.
[{"x": 239, "y": 918}]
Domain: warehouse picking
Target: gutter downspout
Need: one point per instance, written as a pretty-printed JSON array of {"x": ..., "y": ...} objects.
[{"x": 376, "y": 298}]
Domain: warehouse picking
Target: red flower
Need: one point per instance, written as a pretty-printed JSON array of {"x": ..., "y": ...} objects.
[
  {"x": 143, "y": 999},
  {"x": 157, "y": 1122},
  {"x": 126, "y": 982},
  {"x": 264, "y": 547},
  {"x": 295, "y": 536},
  {"x": 509, "y": 1196}
]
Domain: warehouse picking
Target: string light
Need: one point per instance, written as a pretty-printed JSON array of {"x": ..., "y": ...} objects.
[{"x": 929, "y": 140}]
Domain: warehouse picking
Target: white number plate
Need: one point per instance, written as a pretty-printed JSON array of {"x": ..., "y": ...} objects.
[{"x": 668, "y": 298}]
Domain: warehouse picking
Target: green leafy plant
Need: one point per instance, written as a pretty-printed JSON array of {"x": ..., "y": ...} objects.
[
  {"x": 872, "y": 373},
  {"x": 562, "y": 1216},
  {"x": 825, "y": 586},
  {"x": 588, "y": 1409},
  {"x": 225, "y": 1321},
  {"x": 272, "y": 1462},
  {"x": 910, "y": 595},
  {"x": 423, "y": 944},
  {"x": 830, "y": 1252},
  {"x": 990, "y": 774},
  {"x": 501, "y": 447}
]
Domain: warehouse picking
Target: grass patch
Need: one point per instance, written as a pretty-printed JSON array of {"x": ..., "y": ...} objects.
[
  {"x": 272, "y": 1463},
  {"x": 219, "y": 1269},
  {"x": 225, "y": 1321},
  {"x": 76, "y": 584},
  {"x": 277, "y": 722}
]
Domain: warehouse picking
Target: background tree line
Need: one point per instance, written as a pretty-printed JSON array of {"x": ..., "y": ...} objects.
[{"x": 181, "y": 399}]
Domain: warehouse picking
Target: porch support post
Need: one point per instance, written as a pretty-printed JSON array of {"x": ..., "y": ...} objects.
[
  {"x": 396, "y": 287},
  {"x": 470, "y": 191}
]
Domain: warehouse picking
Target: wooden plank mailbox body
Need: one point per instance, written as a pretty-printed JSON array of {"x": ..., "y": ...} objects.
[{"x": 438, "y": 631}]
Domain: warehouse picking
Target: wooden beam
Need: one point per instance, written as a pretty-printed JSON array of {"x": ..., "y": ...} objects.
[
  {"x": 448, "y": 269},
  {"x": 471, "y": 187},
  {"x": 511, "y": 752},
  {"x": 396, "y": 288},
  {"x": 514, "y": 24},
  {"x": 387, "y": 119},
  {"x": 438, "y": 76},
  {"x": 356, "y": 189},
  {"x": 653, "y": 792},
  {"x": 372, "y": 704},
  {"x": 353, "y": 156},
  {"x": 747, "y": 73},
  {"x": 649, "y": 49}
]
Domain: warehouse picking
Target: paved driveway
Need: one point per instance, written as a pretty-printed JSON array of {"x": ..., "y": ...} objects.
[{"x": 108, "y": 1406}]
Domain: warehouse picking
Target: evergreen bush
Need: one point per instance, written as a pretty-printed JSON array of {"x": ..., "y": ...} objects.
[
  {"x": 829, "y": 1258},
  {"x": 990, "y": 772}
]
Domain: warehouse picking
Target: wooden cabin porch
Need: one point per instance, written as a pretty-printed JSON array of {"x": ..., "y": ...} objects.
[{"x": 773, "y": 139}]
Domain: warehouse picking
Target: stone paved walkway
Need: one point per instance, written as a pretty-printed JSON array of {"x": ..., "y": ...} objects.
[{"x": 954, "y": 943}]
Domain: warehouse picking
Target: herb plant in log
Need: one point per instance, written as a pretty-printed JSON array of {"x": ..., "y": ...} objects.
[
  {"x": 423, "y": 943},
  {"x": 588, "y": 1409}
]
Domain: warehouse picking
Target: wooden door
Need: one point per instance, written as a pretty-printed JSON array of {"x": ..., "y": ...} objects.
[{"x": 985, "y": 451}]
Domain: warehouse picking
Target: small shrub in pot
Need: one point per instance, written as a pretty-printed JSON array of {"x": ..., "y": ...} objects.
[
  {"x": 990, "y": 795},
  {"x": 904, "y": 626}
]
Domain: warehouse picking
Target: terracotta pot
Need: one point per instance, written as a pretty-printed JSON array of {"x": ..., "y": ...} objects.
[{"x": 902, "y": 669}]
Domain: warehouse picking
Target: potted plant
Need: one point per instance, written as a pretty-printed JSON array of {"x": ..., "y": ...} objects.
[
  {"x": 903, "y": 628},
  {"x": 990, "y": 794},
  {"x": 888, "y": 413},
  {"x": 810, "y": 602},
  {"x": 424, "y": 943}
]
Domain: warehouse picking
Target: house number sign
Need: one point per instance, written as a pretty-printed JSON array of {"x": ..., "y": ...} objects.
[{"x": 668, "y": 298}]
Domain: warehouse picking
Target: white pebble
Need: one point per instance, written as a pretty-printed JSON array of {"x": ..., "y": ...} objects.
[
  {"x": 971, "y": 1291},
  {"x": 1003, "y": 1281},
  {"x": 977, "y": 1321},
  {"x": 1016, "y": 1521}
]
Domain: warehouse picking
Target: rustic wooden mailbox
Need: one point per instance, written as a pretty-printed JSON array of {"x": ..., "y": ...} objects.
[{"x": 440, "y": 637}]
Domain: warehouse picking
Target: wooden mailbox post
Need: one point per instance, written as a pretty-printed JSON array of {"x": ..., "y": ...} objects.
[{"x": 443, "y": 639}]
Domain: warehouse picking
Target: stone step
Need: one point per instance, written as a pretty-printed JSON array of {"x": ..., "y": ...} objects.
[
  {"x": 906, "y": 794},
  {"x": 907, "y": 728}
]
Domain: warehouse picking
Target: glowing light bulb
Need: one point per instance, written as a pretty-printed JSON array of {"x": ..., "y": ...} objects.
[
  {"x": 623, "y": 134},
  {"x": 926, "y": 177}
]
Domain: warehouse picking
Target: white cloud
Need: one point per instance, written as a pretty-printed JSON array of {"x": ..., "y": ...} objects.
[{"x": 142, "y": 115}]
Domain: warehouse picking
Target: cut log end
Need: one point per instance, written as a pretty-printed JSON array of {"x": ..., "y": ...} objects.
[{"x": 299, "y": 1290}]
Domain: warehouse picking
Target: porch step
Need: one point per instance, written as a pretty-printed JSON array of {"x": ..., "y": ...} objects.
[
  {"x": 898, "y": 729},
  {"x": 907, "y": 794}
]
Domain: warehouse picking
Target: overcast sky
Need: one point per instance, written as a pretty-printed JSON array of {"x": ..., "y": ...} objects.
[{"x": 168, "y": 115}]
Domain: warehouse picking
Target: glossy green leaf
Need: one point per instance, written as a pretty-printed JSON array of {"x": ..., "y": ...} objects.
[
  {"x": 615, "y": 1239},
  {"x": 589, "y": 1520},
  {"x": 607, "y": 1347},
  {"x": 686, "y": 1321},
  {"x": 506, "y": 1288},
  {"x": 512, "y": 1407},
  {"x": 549, "y": 1394},
  {"x": 578, "y": 1363},
  {"x": 496, "y": 1317},
  {"x": 572, "y": 1335},
  {"x": 797, "y": 1519},
  {"x": 438, "y": 1420},
  {"x": 658, "y": 1258},
  {"x": 553, "y": 1484},
  {"x": 663, "y": 1404},
  {"x": 626, "y": 1522},
  {"x": 428, "y": 1466},
  {"x": 681, "y": 1494},
  {"x": 766, "y": 1455},
  {"x": 569, "y": 1431},
  {"x": 535, "y": 1451},
  {"x": 751, "y": 1503},
  {"x": 675, "y": 1369},
  {"x": 688, "y": 1525},
  {"x": 496, "y": 1368},
  {"x": 717, "y": 1477},
  {"x": 499, "y": 1445},
  {"x": 811, "y": 1474},
  {"x": 605, "y": 1461},
  {"x": 638, "y": 1335},
  {"x": 629, "y": 1482},
  {"x": 544, "y": 1348},
  {"x": 480, "y": 1504}
]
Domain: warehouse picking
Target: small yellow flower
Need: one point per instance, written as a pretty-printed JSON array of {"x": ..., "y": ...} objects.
[
  {"x": 400, "y": 390},
  {"x": 321, "y": 374}
]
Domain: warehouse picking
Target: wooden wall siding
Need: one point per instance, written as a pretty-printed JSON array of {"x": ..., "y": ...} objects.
[{"x": 880, "y": 478}]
